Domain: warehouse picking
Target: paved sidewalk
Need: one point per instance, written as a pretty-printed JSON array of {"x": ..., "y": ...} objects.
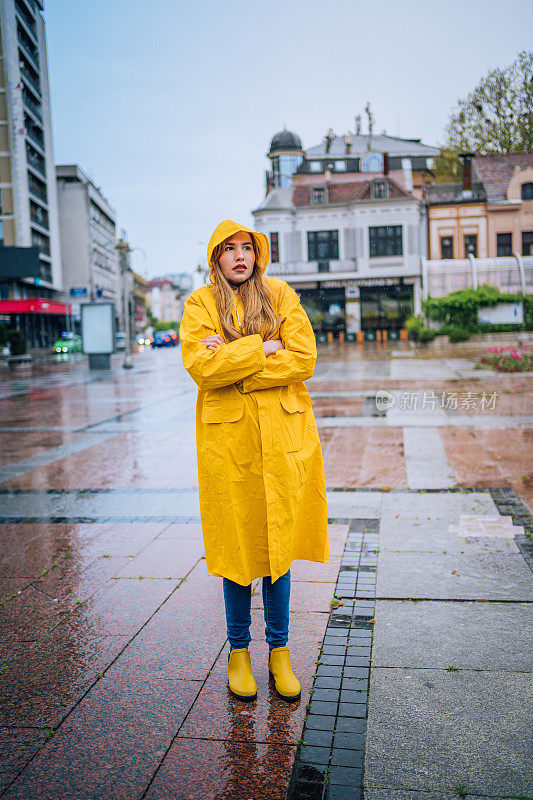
[{"x": 416, "y": 684}]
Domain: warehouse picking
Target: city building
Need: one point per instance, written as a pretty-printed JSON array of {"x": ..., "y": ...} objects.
[
  {"x": 140, "y": 288},
  {"x": 166, "y": 296},
  {"x": 489, "y": 214},
  {"x": 87, "y": 224},
  {"x": 30, "y": 259},
  {"x": 347, "y": 229}
]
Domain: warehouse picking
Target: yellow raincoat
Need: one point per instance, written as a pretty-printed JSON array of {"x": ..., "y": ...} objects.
[{"x": 260, "y": 468}]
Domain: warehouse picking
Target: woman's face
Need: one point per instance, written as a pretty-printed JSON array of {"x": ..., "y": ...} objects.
[{"x": 238, "y": 258}]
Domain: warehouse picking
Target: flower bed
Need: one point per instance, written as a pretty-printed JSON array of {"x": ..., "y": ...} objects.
[{"x": 509, "y": 359}]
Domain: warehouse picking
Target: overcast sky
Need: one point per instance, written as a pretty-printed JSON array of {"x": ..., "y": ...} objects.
[{"x": 170, "y": 106}]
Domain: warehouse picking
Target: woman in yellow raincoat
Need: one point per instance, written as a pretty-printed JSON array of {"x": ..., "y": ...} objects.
[{"x": 248, "y": 344}]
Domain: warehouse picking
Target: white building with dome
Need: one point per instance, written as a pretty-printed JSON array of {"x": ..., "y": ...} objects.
[{"x": 347, "y": 227}]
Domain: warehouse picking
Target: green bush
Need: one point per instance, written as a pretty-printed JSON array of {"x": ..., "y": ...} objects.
[
  {"x": 458, "y": 334},
  {"x": 426, "y": 334},
  {"x": 17, "y": 343},
  {"x": 460, "y": 308},
  {"x": 413, "y": 324}
]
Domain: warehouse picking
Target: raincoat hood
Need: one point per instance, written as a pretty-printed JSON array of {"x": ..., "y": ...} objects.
[{"x": 228, "y": 228}]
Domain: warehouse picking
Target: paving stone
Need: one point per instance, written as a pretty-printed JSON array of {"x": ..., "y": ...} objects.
[
  {"x": 314, "y": 755},
  {"x": 346, "y": 758},
  {"x": 327, "y": 682},
  {"x": 345, "y": 776},
  {"x": 493, "y": 636},
  {"x": 323, "y": 707},
  {"x": 352, "y": 709},
  {"x": 349, "y": 741},
  {"x": 465, "y": 577},
  {"x": 318, "y": 738},
  {"x": 320, "y": 722},
  {"x": 433, "y": 729}
]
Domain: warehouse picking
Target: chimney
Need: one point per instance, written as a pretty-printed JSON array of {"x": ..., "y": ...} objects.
[
  {"x": 385, "y": 163},
  {"x": 348, "y": 140},
  {"x": 467, "y": 170},
  {"x": 407, "y": 174},
  {"x": 330, "y": 135}
]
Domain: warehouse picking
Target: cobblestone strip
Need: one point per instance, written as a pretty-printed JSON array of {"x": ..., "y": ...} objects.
[
  {"x": 329, "y": 760},
  {"x": 508, "y": 503}
]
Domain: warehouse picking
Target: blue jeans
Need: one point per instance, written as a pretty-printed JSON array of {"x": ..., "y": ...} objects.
[{"x": 238, "y": 600}]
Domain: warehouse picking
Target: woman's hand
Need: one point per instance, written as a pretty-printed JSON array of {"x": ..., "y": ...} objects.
[
  {"x": 272, "y": 346},
  {"x": 214, "y": 341}
]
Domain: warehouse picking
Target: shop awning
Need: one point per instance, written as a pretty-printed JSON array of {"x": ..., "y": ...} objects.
[{"x": 34, "y": 305}]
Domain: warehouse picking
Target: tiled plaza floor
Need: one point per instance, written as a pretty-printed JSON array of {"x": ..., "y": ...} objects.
[{"x": 112, "y": 636}]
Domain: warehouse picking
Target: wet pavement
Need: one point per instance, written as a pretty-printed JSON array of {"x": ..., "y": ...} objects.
[{"x": 112, "y": 636}]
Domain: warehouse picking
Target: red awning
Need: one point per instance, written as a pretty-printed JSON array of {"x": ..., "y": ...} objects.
[{"x": 34, "y": 305}]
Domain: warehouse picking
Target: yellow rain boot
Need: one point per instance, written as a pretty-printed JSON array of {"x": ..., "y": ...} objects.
[
  {"x": 241, "y": 681},
  {"x": 279, "y": 666}
]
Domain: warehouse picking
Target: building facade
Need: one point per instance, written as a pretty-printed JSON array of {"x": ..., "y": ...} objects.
[
  {"x": 87, "y": 224},
  {"x": 30, "y": 260},
  {"x": 348, "y": 229},
  {"x": 489, "y": 214},
  {"x": 166, "y": 296}
]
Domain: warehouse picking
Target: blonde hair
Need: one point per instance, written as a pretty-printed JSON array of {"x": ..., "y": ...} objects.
[{"x": 260, "y": 316}]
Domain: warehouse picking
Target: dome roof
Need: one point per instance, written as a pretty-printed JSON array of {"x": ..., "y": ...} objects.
[{"x": 285, "y": 140}]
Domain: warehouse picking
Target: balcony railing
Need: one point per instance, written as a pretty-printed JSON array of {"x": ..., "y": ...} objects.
[
  {"x": 27, "y": 76},
  {"x": 313, "y": 267},
  {"x": 34, "y": 108},
  {"x": 33, "y": 132},
  {"x": 29, "y": 21},
  {"x": 31, "y": 52}
]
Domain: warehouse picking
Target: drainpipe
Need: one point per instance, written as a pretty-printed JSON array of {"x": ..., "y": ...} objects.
[
  {"x": 521, "y": 270},
  {"x": 474, "y": 270},
  {"x": 424, "y": 272}
]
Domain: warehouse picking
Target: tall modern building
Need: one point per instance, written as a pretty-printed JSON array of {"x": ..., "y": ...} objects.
[
  {"x": 30, "y": 259},
  {"x": 87, "y": 224}
]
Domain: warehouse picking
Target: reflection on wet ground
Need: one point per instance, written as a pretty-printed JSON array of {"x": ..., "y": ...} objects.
[{"x": 112, "y": 634}]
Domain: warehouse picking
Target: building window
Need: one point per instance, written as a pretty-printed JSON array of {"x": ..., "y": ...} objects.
[
  {"x": 372, "y": 162},
  {"x": 322, "y": 245},
  {"x": 315, "y": 166},
  {"x": 527, "y": 243},
  {"x": 471, "y": 244},
  {"x": 274, "y": 247},
  {"x": 385, "y": 240},
  {"x": 446, "y": 247},
  {"x": 504, "y": 244},
  {"x": 527, "y": 191},
  {"x": 318, "y": 195},
  {"x": 380, "y": 189}
]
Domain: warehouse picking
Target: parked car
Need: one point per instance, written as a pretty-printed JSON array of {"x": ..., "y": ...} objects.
[
  {"x": 68, "y": 343},
  {"x": 165, "y": 339}
]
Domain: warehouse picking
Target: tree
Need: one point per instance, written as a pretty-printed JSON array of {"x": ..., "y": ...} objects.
[{"x": 497, "y": 116}]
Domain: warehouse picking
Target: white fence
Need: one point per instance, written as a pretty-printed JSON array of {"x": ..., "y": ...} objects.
[{"x": 509, "y": 274}]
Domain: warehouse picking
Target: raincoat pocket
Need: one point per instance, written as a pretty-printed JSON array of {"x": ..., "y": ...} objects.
[
  {"x": 293, "y": 400},
  {"x": 222, "y": 405},
  {"x": 292, "y": 429}
]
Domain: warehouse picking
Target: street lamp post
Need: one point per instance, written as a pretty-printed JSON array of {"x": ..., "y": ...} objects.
[{"x": 125, "y": 270}]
